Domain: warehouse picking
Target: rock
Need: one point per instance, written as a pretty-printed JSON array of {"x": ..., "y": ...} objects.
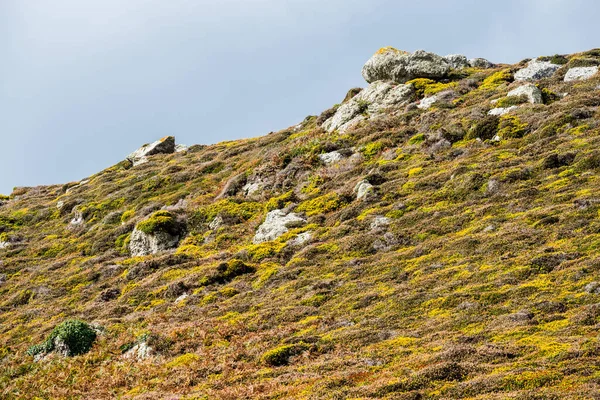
[
  {"x": 394, "y": 65},
  {"x": 143, "y": 244},
  {"x": 179, "y": 148},
  {"x": 533, "y": 93},
  {"x": 331, "y": 157},
  {"x": 4, "y": 245},
  {"x": 580, "y": 73},
  {"x": 363, "y": 189},
  {"x": 181, "y": 298},
  {"x": 427, "y": 102},
  {"x": 536, "y": 70},
  {"x": 301, "y": 239},
  {"x": 380, "y": 222},
  {"x": 165, "y": 145},
  {"x": 109, "y": 294},
  {"x": 592, "y": 288},
  {"x": 481, "y": 63},
  {"x": 276, "y": 224},
  {"x": 457, "y": 61},
  {"x": 216, "y": 223},
  {"x": 252, "y": 187},
  {"x": 78, "y": 218},
  {"x": 139, "y": 352},
  {"x": 501, "y": 110},
  {"x": 376, "y": 97},
  {"x": 493, "y": 186}
]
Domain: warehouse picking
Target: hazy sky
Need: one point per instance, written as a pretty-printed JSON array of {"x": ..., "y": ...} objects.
[{"x": 85, "y": 82}]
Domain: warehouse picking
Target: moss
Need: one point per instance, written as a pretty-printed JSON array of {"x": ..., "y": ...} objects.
[
  {"x": 281, "y": 355},
  {"x": 77, "y": 335},
  {"x": 261, "y": 251},
  {"x": 417, "y": 139},
  {"x": 229, "y": 209},
  {"x": 510, "y": 126},
  {"x": 320, "y": 205},
  {"x": 372, "y": 149},
  {"x": 509, "y": 101},
  {"x": 183, "y": 360},
  {"x": 127, "y": 215},
  {"x": 427, "y": 87},
  {"x": 160, "y": 221},
  {"x": 576, "y": 62}
]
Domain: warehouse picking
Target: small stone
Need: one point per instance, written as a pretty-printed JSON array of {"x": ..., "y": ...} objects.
[
  {"x": 501, "y": 110},
  {"x": 331, "y": 157},
  {"x": 380, "y": 222},
  {"x": 181, "y": 298},
  {"x": 480, "y": 63},
  {"x": 580, "y": 73},
  {"x": 457, "y": 61},
  {"x": 276, "y": 223},
  {"x": 592, "y": 288},
  {"x": 301, "y": 239},
  {"x": 363, "y": 189},
  {"x": 427, "y": 102},
  {"x": 143, "y": 244}
]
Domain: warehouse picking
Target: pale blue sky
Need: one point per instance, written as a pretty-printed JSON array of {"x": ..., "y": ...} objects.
[{"x": 83, "y": 83}]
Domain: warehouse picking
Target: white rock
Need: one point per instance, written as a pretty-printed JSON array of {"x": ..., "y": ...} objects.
[
  {"x": 398, "y": 66},
  {"x": 501, "y": 110},
  {"x": 139, "y": 352},
  {"x": 580, "y": 73},
  {"x": 181, "y": 298},
  {"x": 277, "y": 222},
  {"x": 143, "y": 244},
  {"x": 427, "y": 102},
  {"x": 373, "y": 99},
  {"x": 78, "y": 219},
  {"x": 301, "y": 239},
  {"x": 380, "y": 222},
  {"x": 165, "y": 145},
  {"x": 331, "y": 157},
  {"x": 216, "y": 223},
  {"x": 4, "y": 245},
  {"x": 180, "y": 148},
  {"x": 457, "y": 61},
  {"x": 533, "y": 93},
  {"x": 480, "y": 63},
  {"x": 535, "y": 70},
  {"x": 252, "y": 187},
  {"x": 363, "y": 189}
]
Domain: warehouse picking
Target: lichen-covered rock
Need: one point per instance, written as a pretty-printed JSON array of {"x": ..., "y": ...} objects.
[
  {"x": 535, "y": 70},
  {"x": 157, "y": 233},
  {"x": 427, "y": 102},
  {"x": 363, "y": 190},
  {"x": 376, "y": 97},
  {"x": 580, "y": 73},
  {"x": 592, "y": 287},
  {"x": 533, "y": 93},
  {"x": 276, "y": 223},
  {"x": 139, "y": 352},
  {"x": 380, "y": 222},
  {"x": 457, "y": 61},
  {"x": 399, "y": 66},
  {"x": 165, "y": 145},
  {"x": 331, "y": 157},
  {"x": 501, "y": 110},
  {"x": 481, "y": 63},
  {"x": 301, "y": 239}
]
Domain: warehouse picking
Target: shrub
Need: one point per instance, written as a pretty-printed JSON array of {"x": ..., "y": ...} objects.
[
  {"x": 277, "y": 203},
  {"x": 372, "y": 149},
  {"x": 485, "y": 129},
  {"x": 555, "y": 59},
  {"x": 510, "y": 126},
  {"x": 321, "y": 204},
  {"x": 281, "y": 355},
  {"x": 76, "y": 335},
  {"x": 160, "y": 221},
  {"x": 512, "y": 101},
  {"x": 226, "y": 272},
  {"x": 496, "y": 79}
]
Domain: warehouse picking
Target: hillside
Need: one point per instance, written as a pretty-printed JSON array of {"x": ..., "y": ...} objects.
[{"x": 434, "y": 236}]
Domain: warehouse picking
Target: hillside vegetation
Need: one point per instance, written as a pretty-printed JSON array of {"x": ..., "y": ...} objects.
[{"x": 430, "y": 250}]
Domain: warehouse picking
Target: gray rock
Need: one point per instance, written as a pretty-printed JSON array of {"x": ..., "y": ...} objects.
[
  {"x": 165, "y": 145},
  {"x": 580, "y": 73},
  {"x": 276, "y": 223},
  {"x": 251, "y": 188},
  {"x": 179, "y": 148},
  {"x": 427, "y": 102},
  {"x": 301, "y": 239},
  {"x": 78, "y": 219},
  {"x": 394, "y": 65},
  {"x": 380, "y": 222},
  {"x": 592, "y": 288},
  {"x": 139, "y": 352},
  {"x": 363, "y": 189},
  {"x": 457, "y": 61},
  {"x": 501, "y": 110},
  {"x": 4, "y": 245},
  {"x": 493, "y": 186},
  {"x": 535, "y": 70},
  {"x": 533, "y": 93},
  {"x": 373, "y": 99},
  {"x": 143, "y": 244},
  {"x": 331, "y": 157},
  {"x": 216, "y": 223},
  {"x": 481, "y": 63},
  {"x": 181, "y": 298}
]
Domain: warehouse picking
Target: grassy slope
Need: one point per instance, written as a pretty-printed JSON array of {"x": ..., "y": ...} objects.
[{"x": 481, "y": 294}]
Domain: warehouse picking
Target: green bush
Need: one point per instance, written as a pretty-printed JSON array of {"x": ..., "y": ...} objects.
[
  {"x": 485, "y": 129},
  {"x": 160, "y": 221},
  {"x": 76, "y": 335},
  {"x": 226, "y": 272},
  {"x": 512, "y": 101},
  {"x": 281, "y": 355}
]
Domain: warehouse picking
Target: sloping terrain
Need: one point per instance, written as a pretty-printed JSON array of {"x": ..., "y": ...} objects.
[{"x": 431, "y": 250}]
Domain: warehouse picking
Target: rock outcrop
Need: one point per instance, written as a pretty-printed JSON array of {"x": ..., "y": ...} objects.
[
  {"x": 276, "y": 224},
  {"x": 376, "y": 97},
  {"x": 457, "y": 61},
  {"x": 394, "y": 65},
  {"x": 533, "y": 93},
  {"x": 165, "y": 145},
  {"x": 143, "y": 244},
  {"x": 535, "y": 70},
  {"x": 580, "y": 73},
  {"x": 481, "y": 63}
]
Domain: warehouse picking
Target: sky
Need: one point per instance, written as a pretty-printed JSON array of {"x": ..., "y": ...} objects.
[{"x": 84, "y": 83}]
